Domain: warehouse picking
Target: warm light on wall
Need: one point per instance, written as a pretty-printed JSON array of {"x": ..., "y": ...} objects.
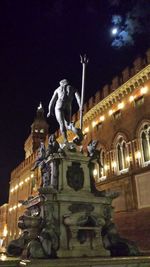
[
  {"x": 15, "y": 207},
  {"x": 94, "y": 123},
  {"x": 114, "y": 164},
  {"x": 131, "y": 98},
  {"x": 95, "y": 172},
  {"x": 144, "y": 90},
  {"x": 3, "y": 257},
  {"x": 32, "y": 175},
  {"x": 86, "y": 130},
  {"x": 27, "y": 179},
  {"x": 5, "y": 231},
  {"x": 16, "y": 187},
  {"x": 102, "y": 118},
  {"x": 138, "y": 155},
  {"x": 12, "y": 190},
  {"x": 121, "y": 105},
  {"x": 106, "y": 167},
  {"x": 128, "y": 158},
  {"x": 110, "y": 112},
  {"x": 21, "y": 183}
]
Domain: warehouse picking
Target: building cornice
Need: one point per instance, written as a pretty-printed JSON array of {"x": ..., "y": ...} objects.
[{"x": 137, "y": 80}]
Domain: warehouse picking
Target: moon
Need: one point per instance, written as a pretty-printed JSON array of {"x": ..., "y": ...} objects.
[{"x": 114, "y": 31}]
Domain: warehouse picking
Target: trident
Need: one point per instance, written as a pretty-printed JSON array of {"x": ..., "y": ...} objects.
[{"x": 84, "y": 62}]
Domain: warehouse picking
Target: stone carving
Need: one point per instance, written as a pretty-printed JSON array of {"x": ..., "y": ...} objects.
[
  {"x": 40, "y": 156},
  {"x": 112, "y": 241},
  {"x": 53, "y": 146},
  {"x": 39, "y": 238},
  {"x": 48, "y": 161},
  {"x": 83, "y": 228},
  {"x": 79, "y": 207},
  {"x": 91, "y": 148},
  {"x": 49, "y": 235},
  {"x": 62, "y": 100},
  {"x": 75, "y": 176}
]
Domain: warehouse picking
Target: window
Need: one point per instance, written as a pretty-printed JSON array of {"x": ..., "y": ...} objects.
[
  {"x": 122, "y": 155},
  {"x": 102, "y": 165},
  {"x": 117, "y": 115},
  {"x": 139, "y": 101},
  {"x": 145, "y": 143}
]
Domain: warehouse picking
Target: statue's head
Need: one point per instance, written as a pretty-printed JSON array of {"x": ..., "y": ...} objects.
[{"x": 64, "y": 82}]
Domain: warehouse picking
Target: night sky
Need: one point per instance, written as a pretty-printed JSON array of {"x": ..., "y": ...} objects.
[{"x": 40, "y": 44}]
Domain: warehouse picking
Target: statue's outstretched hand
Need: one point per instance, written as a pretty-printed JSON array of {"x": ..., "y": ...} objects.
[{"x": 48, "y": 114}]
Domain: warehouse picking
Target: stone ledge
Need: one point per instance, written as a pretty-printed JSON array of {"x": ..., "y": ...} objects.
[{"x": 142, "y": 261}]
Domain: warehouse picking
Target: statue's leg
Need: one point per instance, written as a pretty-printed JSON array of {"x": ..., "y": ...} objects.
[
  {"x": 61, "y": 120},
  {"x": 67, "y": 118},
  {"x": 77, "y": 140}
]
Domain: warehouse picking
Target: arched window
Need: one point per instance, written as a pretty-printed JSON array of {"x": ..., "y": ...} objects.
[
  {"x": 119, "y": 154},
  {"x": 102, "y": 163},
  {"x": 145, "y": 143},
  {"x": 122, "y": 154}
]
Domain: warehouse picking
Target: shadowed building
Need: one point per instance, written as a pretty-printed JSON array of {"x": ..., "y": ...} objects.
[{"x": 118, "y": 116}]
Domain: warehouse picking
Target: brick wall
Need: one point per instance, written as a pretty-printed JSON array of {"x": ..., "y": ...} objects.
[{"x": 135, "y": 226}]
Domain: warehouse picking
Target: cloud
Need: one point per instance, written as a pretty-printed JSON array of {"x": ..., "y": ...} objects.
[
  {"x": 134, "y": 23},
  {"x": 116, "y": 19}
]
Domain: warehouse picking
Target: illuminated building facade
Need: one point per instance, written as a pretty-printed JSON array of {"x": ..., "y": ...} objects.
[
  {"x": 3, "y": 226},
  {"x": 24, "y": 182},
  {"x": 118, "y": 116}
]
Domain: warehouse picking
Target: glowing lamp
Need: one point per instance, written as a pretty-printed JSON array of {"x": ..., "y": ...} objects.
[
  {"x": 16, "y": 187},
  {"x": 114, "y": 164},
  {"x": 102, "y": 118},
  {"x": 128, "y": 158},
  {"x": 131, "y": 98},
  {"x": 144, "y": 90},
  {"x": 138, "y": 155},
  {"x": 120, "y": 105},
  {"x": 110, "y": 112},
  {"x": 86, "y": 130},
  {"x": 95, "y": 172},
  {"x": 3, "y": 257},
  {"x": 106, "y": 167},
  {"x": 94, "y": 124},
  {"x": 5, "y": 231}
]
